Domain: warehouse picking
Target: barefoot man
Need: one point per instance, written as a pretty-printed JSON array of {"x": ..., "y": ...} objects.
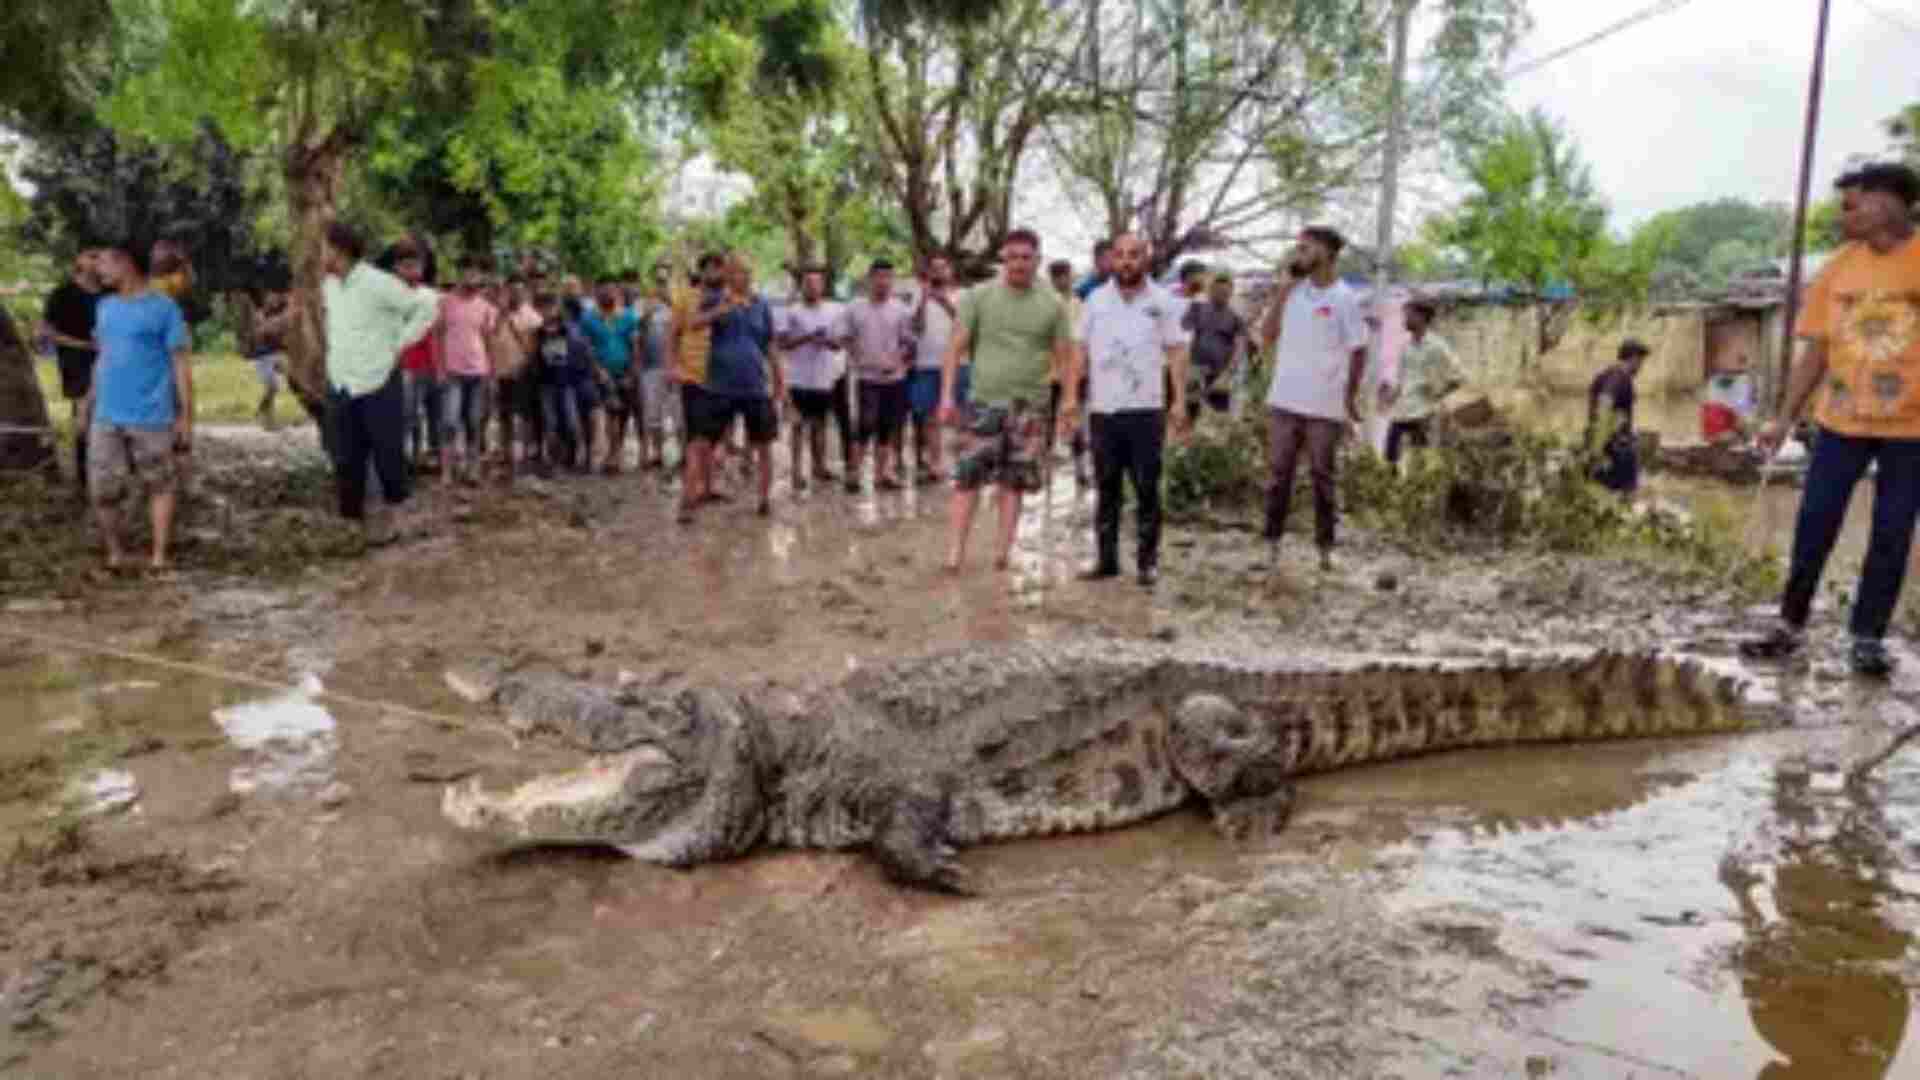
[
  {"x": 141, "y": 401},
  {"x": 1015, "y": 330}
]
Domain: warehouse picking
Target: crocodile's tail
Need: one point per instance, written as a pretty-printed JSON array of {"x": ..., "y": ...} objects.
[{"x": 1317, "y": 721}]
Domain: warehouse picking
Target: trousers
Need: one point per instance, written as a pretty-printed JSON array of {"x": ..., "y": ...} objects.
[
  {"x": 369, "y": 429},
  {"x": 1289, "y": 433},
  {"x": 1838, "y": 463},
  {"x": 1127, "y": 446}
]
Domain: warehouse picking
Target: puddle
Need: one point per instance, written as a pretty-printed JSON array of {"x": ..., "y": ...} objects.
[
  {"x": 293, "y": 741},
  {"x": 103, "y": 791},
  {"x": 1748, "y": 921}
]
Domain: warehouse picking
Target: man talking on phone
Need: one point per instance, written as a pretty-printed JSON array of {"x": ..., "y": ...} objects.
[{"x": 1321, "y": 337}]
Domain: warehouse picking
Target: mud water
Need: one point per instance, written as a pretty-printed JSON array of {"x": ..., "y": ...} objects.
[{"x": 261, "y": 885}]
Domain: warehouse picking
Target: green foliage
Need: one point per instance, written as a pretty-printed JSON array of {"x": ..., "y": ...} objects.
[
  {"x": 1712, "y": 242},
  {"x": 1533, "y": 218},
  {"x": 1533, "y": 491},
  {"x": 1504, "y": 491},
  {"x": 1220, "y": 468},
  {"x": 49, "y": 52},
  {"x": 92, "y": 186},
  {"x": 1823, "y": 225},
  {"x": 1904, "y": 128}
]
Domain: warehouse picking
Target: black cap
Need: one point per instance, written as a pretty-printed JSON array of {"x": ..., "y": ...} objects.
[
  {"x": 1887, "y": 177},
  {"x": 1634, "y": 347}
]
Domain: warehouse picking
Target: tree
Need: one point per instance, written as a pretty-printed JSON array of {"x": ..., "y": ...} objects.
[
  {"x": 1711, "y": 242},
  {"x": 949, "y": 111},
  {"x": 91, "y": 186},
  {"x": 524, "y": 144},
  {"x": 50, "y": 54},
  {"x": 784, "y": 124},
  {"x": 308, "y": 80},
  {"x": 1199, "y": 121},
  {"x": 1534, "y": 221},
  {"x": 1904, "y": 128}
]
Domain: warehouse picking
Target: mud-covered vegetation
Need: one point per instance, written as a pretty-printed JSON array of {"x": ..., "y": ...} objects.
[
  {"x": 1495, "y": 488},
  {"x": 250, "y": 510}
]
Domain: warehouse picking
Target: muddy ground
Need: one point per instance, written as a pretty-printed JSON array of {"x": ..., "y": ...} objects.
[{"x": 222, "y": 869}]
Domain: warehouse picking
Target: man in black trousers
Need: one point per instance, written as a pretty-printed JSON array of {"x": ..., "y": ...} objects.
[{"x": 1129, "y": 342}]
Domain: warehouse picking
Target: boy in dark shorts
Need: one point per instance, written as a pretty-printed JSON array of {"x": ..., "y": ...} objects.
[{"x": 809, "y": 339}]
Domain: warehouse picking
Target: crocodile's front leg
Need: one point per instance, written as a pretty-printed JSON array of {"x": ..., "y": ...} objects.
[
  {"x": 1234, "y": 764},
  {"x": 913, "y": 842}
]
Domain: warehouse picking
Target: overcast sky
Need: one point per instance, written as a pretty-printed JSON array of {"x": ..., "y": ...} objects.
[{"x": 1708, "y": 100}]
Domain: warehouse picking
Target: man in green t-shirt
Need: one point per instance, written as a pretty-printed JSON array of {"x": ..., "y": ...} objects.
[{"x": 1016, "y": 332}]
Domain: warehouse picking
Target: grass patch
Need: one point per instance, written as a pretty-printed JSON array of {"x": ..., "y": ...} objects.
[{"x": 225, "y": 391}]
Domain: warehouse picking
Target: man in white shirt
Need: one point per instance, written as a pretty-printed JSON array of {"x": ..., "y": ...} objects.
[
  {"x": 809, "y": 336},
  {"x": 1133, "y": 352},
  {"x": 933, "y": 316},
  {"x": 1321, "y": 334}
]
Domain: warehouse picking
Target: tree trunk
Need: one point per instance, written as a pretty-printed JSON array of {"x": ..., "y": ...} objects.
[
  {"x": 26, "y": 436},
  {"x": 313, "y": 176}
]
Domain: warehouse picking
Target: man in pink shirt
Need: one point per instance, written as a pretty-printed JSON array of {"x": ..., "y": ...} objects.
[{"x": 466, "y": 320}]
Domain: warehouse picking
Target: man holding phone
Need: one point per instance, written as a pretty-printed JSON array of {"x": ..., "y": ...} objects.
[{"x": 1319, "y": 337}]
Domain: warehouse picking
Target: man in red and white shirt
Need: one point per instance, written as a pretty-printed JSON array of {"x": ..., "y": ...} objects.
[{"x": 1321, "y": 334}]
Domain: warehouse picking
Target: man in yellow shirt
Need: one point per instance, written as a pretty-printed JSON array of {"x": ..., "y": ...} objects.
[{"x": 1861, "y": 325}]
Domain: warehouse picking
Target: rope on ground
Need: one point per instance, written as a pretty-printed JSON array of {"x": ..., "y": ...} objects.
[{"x": 208, "y": 671}]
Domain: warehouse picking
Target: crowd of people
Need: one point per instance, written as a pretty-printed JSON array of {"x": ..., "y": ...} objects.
[{"x": 976, "y": 387}]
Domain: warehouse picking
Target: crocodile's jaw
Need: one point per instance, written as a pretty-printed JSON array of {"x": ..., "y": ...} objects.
[{"x": 606, "y": 801}]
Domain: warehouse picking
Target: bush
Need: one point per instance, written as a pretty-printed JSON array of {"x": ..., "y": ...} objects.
[
  {"x": 1221, "y": 468},
  {"x": 1535, "y": 491}
]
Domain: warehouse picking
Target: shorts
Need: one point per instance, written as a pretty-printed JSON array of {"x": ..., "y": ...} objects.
[
  {"x": 117, "y": 455},
  {"x": 715, "y": 413},
  {"x": 812, "y": 405},
  {"x": 654, "y": 389},
  {"x": 693, "y": 404},
  {"x": 76, "y": 373},
  {"x": 267, "y": 369},
  {"x": 923, "y": 393},
  {"x": 883, "y": 411},
  {"x": 1002, "y": 446},
  {"x": 621, "y": 393},
  {"x": 520, "y": 396}
]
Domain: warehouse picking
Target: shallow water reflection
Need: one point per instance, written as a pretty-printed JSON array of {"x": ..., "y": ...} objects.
[{"x": 292, "y": 739}]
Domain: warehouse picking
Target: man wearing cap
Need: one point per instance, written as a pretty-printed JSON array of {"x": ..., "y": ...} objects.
[
  {"x": 1860, "y": 321},
  {"x": 1610, "y": 426}
]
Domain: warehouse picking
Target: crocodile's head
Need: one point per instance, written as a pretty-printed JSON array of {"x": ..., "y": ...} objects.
[{"x": 625, "y": 799}]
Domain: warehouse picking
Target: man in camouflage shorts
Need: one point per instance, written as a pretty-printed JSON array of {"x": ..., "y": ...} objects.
[
  {"x": 1002, "y": 446},
  {"x": 1013, "y": 333}
]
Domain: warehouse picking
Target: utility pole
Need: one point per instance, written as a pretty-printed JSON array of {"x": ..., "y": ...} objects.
[
  {"x": 1816, "y": 81},
  {"x": 1389, "y": 194}
]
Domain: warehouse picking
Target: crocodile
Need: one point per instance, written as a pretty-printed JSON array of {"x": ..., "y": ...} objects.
[{"x": 915, "y": 760}]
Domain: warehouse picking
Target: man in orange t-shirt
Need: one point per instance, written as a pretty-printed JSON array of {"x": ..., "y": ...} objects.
[{"x": 1861, "y": 325}]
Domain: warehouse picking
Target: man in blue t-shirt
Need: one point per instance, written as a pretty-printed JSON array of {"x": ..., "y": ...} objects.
[
  {"x": 141, "y": 401},
  {"x": 741, "y": 384},
  {"x": 612, "y": 329}
]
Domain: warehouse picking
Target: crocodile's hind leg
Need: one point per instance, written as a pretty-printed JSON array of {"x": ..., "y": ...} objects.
[
  {"x": 1234, "y": 764},
  {"x": 911, "y": 841}
]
